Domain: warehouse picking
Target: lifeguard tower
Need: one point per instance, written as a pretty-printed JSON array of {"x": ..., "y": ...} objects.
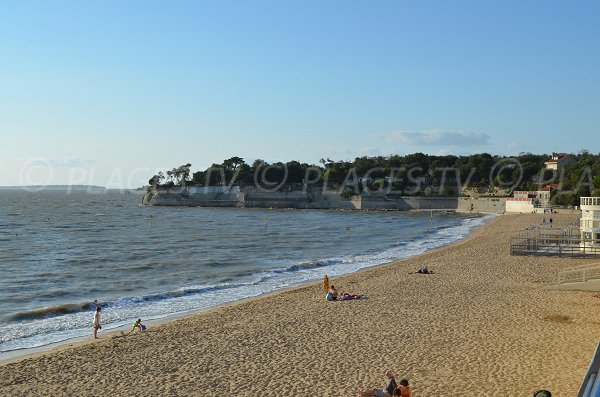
[{"x": 590, "y": 222}]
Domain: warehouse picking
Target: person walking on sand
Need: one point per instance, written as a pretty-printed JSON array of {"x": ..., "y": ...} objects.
[
  {"x": 326, "y": 283},
  {"x": 97, "y": 325}
]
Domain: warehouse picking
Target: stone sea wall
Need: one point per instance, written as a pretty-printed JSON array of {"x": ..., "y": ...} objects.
[{"x": 314, "y": 199}]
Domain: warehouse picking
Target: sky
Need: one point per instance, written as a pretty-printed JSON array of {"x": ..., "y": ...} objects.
[{"x": 109, "y": 93}]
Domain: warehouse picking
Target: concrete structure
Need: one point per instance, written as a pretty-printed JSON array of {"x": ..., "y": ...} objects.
[
  {"x": 590, "y": 221},
  {"x": 314, "y": 198},
  {"x": 539, "y": 197},
  {"x": 303, "y": 199},
  {"x": 529, "y": 201},
  {"x": 520, "y": 204},
  {"x": 558, "y": 160}
]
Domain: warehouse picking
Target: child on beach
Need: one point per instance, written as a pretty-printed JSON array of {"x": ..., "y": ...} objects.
[
  {"x": 137, "y": 325},
  {"x": 325, "y": 283}
]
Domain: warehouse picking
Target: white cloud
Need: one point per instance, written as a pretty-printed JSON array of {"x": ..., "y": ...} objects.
[
  {"x": 437, "y": 137},
  {"x": 349, "y": 154}
]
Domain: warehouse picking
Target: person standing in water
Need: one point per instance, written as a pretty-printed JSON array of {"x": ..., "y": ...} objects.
[{"x": 97, "y": 325}]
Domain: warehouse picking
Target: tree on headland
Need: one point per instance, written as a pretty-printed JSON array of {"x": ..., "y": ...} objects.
[
  {"x": 156, "y": 179},
  {"x": 232, "y": 167},
  {"x": 183, "y": 174},
  {"x": 233, "y": 163},
  {"x": 409, "y": 174},
  {"x": 170, "y": 176}
]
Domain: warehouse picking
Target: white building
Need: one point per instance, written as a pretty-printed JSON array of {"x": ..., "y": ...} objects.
[
  {"x": 557, "y": 161},
  {"x": 519, "y": 204},
  {"x": 528, "y": 201},
  {"x": 590, "y": 221},
  {"x": 540, "y": 197}
]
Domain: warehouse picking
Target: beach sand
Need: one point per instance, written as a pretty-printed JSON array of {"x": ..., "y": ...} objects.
[{"x": 484, "y": 324}]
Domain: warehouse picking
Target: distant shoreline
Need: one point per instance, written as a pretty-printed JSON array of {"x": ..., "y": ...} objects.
[
  {"x": 79, "y": 188},
  {"x": 56, "y": 187}
]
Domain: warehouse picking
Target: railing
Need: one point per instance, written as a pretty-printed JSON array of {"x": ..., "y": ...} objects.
[
  {"x": 590, "y": 386},
  {"x": 579, "y": 274},
  {"x": 589, "y": 200},
  {"x": 546, "y": 241}
]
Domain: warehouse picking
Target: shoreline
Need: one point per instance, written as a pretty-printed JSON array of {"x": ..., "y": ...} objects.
[
  {"x": 14, "y": 355},
  {"x": 19, "y": 354},
  {"x": 439, "y": 334}
]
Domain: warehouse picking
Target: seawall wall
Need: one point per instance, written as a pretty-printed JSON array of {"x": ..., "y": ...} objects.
[{"x": 317, "y": 199}]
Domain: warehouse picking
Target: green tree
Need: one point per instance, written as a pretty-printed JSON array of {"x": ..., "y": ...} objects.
[
  {"x": 596, "y": 182},
  {"x": 182, "y": 174},
  {"x": 231, "y": 167},
  {"x": 295, "y": 171}
]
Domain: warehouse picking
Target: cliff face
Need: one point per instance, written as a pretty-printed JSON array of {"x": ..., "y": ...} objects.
[
  {"x": 194, "y": 197},
  {"x": 218, "y": 196}
]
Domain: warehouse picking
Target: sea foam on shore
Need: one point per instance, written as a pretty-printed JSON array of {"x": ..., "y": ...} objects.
[{"x": 188, "y": 260}]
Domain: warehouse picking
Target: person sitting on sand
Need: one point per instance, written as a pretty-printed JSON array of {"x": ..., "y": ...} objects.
[
  {"x": 348, "y": 297},
  {"x": 332, "y": 294},
  {"x": 424, "y": 270},
  {"x": 138, "y": 324},
  {"x": 385, "y": 392},
  {"x": 403, "y": 389}
]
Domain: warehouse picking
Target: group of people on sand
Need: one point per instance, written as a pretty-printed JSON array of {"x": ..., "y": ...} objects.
[
  {"x": 392, "y": 388},
  {"x": 424, "y": 270},
  {"x": 334, "y": 295},
  {"x": 137, "y": 325}
]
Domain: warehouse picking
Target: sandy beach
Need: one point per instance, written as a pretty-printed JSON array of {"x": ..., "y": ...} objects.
[{"x": 484, "y": 324}]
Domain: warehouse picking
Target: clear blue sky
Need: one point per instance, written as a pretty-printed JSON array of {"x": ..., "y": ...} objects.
[{"x": 109, "y": 92}]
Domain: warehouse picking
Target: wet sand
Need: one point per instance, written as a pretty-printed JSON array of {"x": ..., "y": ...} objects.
[{"x": 484, "y": 324}]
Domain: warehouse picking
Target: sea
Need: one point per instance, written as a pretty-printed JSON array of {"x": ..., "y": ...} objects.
[{"x": 65, "y": 251}]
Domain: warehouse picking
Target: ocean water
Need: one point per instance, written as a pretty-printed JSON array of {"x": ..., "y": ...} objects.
[{"x": 64, "y": 252}]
